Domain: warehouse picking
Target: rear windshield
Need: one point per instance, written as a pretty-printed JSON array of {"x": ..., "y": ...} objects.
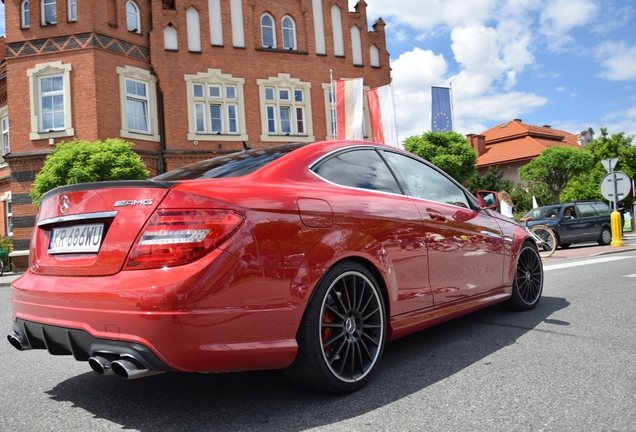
[{"x": 231, "y": 165}]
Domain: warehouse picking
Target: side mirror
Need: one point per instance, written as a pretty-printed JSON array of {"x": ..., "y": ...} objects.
[{"x": 487, "y": 199}]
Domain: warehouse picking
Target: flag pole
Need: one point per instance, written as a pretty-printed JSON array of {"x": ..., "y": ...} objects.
[
  {"x": 394, "y": 115},
  {"x": 451, "y": 102},
  {"x": 333, "y": 113}
]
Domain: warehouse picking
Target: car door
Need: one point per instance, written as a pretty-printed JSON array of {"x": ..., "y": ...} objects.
[
  {"x": 571, "y": 228},
  {"x": 465, "y": 246},
  {"x": 371, "y": 201},
  {"x": 591, "y": 227}
]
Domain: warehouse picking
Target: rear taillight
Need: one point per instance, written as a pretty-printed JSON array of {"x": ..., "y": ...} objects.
[{"x": 177, "y": 237}]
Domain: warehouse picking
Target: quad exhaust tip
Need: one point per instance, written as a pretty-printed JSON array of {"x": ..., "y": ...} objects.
[
  {"x": 18, "y": 342},
  {"x": 100, "y": 365},
  {"x": 131, "y": 368}
]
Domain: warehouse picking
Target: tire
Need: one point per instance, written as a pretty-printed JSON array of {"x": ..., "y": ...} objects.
[
  {"x": 528, "y": 279},
  {"x": 548, "y": 243},
  {"x": 565, "y": 245},
  {"x": 605, "y": 237},
  {"x": 342, "y": 334}
]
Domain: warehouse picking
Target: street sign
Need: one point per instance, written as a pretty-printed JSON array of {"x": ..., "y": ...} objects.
[
  {"x": 623, "y": 186},
  {"x": 609, "y": 164}
]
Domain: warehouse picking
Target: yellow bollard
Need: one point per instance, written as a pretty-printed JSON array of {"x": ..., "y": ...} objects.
[{"x": 617, "y": 229}]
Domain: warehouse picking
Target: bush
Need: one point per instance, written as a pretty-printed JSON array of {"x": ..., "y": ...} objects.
[{"x": 80, "y": 161}]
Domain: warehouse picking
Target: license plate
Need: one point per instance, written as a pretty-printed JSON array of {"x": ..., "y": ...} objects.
[{"x": 76, "y": 238}]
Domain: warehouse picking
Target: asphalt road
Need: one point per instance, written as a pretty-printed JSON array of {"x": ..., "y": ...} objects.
[{"x": 568, "y": 365}]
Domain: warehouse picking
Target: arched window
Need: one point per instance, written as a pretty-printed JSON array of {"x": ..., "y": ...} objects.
[
  {"x": 49, "y": 12},
  {"x": 338, "y": 39},
  {"x": 356, "y": 46},
  {"x": 268, "y": 32},
  {"x": 170, "y": 39},
  {"x": 133, "y": 23},
  {"x": 194, "y": 30},
  {"x": 374, "y": 53},
  {"x": 72, "y": 10},
  {"x": 289, "y": 34},
  {"x": 26, "y": 14}
]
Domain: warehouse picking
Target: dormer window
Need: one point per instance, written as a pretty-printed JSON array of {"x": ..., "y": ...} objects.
[
  {"x": 268, "y": 32},
  {"x": 132, "y": 17},
  {"x": 26, "y": 14},
  {"x": 49, "y": 12}
]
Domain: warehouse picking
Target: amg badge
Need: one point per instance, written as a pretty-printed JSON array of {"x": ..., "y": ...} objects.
[{"x": 125, "y": 203}]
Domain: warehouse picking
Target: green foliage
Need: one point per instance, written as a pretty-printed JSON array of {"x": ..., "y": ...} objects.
[
  {"x": 449, "y": 151},
  {"x": 80, "y": 161},
  {"x": 6, "y": 246},
  {"x": 493, "y": 180},
  {"x": 555, "y": 166}
]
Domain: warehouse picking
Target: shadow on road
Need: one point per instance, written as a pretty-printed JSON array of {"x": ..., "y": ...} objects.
[{"x": 265, "y": 400}]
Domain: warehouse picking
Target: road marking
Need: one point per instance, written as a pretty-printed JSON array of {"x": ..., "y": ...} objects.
[
  {"x": 632, "y": 275},
  {"x": 586, "y": 262}
]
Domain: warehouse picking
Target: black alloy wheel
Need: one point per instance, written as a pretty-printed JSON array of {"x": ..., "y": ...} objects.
[
  {"x": 341, "y": 338},
  {"x": 528, "y": 280}
]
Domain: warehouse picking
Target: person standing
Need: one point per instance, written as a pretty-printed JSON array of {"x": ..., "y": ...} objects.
[
  {"x": 506, "y": 206},
  {"x": 620, "y": 207}
]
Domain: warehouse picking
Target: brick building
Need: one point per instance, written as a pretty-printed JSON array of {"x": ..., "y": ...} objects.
[{"x": 182, "y": 79}]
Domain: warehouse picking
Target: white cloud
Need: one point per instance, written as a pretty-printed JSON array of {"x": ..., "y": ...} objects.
[
  {"x": 618, "y": 60},
  {"x": 559, "y": 17}
]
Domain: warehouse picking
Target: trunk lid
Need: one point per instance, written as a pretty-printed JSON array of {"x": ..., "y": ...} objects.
[{"x": 88, "y": 229}]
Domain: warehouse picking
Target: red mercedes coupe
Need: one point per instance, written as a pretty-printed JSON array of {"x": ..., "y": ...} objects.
[{"x": 303, "y": 257}]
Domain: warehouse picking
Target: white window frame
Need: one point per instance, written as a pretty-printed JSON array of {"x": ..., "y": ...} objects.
[
  {"x": 330, "y": 113},
  {"x": 139, "y": 100},
  {"x": 48, "y": 4},
  {"x": 43, "y": 70},
  {"x": 231, "y": 100},
  {"x": 271, "y": 110},
  {"x": 72, "y": 10},
  {"x": 6, "y": 144},
  {"x": 136, "y": 14},
  {"x": 273, "y": 30},
  {"x": 8, "y": 214},
  {"x": 25, "y": 14},
  {"x": 4, "y": 114},
  {"x": 145, "y": 77},
  {"x": 292, "y": 45}
]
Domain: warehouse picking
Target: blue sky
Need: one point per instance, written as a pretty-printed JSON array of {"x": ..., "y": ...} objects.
[{"x": 570, "y": 64}]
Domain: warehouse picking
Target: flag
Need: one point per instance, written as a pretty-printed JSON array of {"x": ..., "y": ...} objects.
[
  {"x": 441, "y": 115},
  {"x": 349, "y": 109},
  {"x": 534, "y": 202},
  {"x": 382, "y": 115}
]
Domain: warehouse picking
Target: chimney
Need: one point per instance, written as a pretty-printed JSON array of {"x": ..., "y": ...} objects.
[
  {"x": 478, "y": 142},
  {"x": 518, "y": 120},
  {"x": 547, "y": 126}
]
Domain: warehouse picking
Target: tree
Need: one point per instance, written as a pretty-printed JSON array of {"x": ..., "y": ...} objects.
[
  {"x": 586, "y": 185},
  {"x": 81, "y": 161},
  {"x": 493, "y": 180},
  {"x": 449, "y": 151},
  {"x": 555, "y": 166}
]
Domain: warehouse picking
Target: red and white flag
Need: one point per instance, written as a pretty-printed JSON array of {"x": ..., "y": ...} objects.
[
  {"x": 382, "y": 115},
  {"x": 349, "y": 109}
]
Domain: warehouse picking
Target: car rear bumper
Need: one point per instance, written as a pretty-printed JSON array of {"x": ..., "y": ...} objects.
[{"x": 214, "y": 316}]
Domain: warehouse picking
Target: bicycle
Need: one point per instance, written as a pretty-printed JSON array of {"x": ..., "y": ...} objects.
[{"x": 545, "y": 239}]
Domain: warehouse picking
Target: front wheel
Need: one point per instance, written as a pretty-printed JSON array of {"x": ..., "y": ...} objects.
[
  {"x": 547, "y": 243},
  {"x": 341, "y": 336},
  {"x": 528, "y": 280},
  {"x": 606, "y": 237}
]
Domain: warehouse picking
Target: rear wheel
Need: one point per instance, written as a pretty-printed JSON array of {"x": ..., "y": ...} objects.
[
  {"x": 528, "y": 282},
  {"x": 548, "y": 242},
  {"x": 341, "y": 336},
  {"x": 606, "y": 237}
]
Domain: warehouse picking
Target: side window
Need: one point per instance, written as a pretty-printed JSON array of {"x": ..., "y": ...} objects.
[
  {"x": 362, "y": 169},
  {"x": 602, "y": 209},
  {"x": 426, "y": 182},
  {"x": 586, "y": 210}
]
